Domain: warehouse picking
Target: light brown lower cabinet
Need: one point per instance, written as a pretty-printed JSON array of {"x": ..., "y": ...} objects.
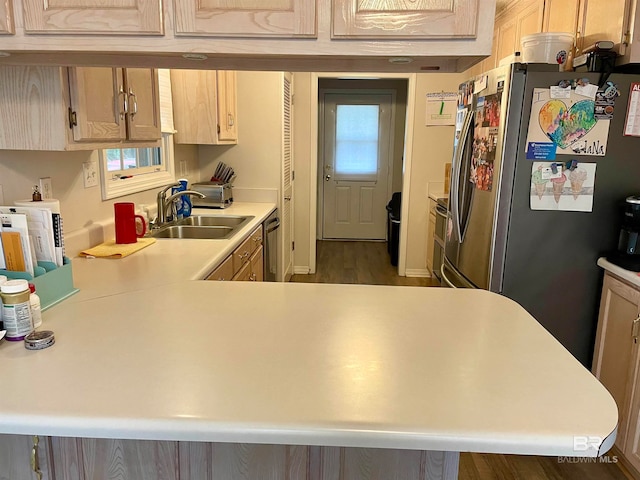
[
  {"x": 111, "y": 459},
  {"x": 16, "y": 452},
  {"x": 245, "y": 263},
  {"x": 616, "y": 360}
]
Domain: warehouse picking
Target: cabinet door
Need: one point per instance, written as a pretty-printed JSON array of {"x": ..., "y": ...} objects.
[
  {"x": 111, "y": 17},
  {"x": 227, "y": 106},
  {"x": 231, "y": 461},
  {"x": 6, "y": 17},
  {"x": 224, "y": 272},
  {"x": 106, "y": 459},
  {"x": 404, "y": 18},
  {"x": 561, "y": 16},
  {"x": 371, "y": 463},
  {"x": 97, "y": 98},
  {"x": 615, "y": 349},
  {"x": 195, "y": 113},
  {"x": 257, "y": 266},
  {"x": 508, "y": 42},
  {"x": 246, "y": 18},
  {"x": 143, "y": 117},
  {"x": 16, "y": 453},
  {"x": 530, "y": 21},
  {"x": 603, "y": 20}
]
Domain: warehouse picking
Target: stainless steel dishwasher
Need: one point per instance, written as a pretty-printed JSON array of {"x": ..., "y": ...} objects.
[{"x": 270, "y": 228}]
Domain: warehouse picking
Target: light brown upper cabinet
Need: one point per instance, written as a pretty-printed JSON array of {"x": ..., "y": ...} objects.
[
  {"x": 113, "y": 17},
  {"x": 603, "y": 20},
  {"x": 114, "y": 104},
  {"x": 561, "y": 15},
  {"x": 6, "y": 17},
  {"x": 78, "y": 108},
  {"x": 204, "y": 107},
  {"x": 246, "y": 18},
  {"x": 405, "y": 18}
]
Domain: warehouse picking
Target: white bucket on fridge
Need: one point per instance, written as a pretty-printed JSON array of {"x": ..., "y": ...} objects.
[{"x": 551, "y": 47}]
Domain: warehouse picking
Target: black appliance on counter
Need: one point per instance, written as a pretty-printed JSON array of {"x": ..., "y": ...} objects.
[{"x": 628, "y": 253}]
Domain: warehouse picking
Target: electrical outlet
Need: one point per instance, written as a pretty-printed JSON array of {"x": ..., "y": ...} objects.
[
  {"x": 1, "y": 196},
  {"x": 183, "y": 168},
  {"x": 45, "y": 188},
  {"x": 90, "y": 174}
]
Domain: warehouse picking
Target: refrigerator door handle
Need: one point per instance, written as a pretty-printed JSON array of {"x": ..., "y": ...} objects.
[{"x": 455, "y": 181}]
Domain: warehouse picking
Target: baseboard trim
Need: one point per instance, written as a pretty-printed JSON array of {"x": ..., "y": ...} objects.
[
  {"x": 417, "y": 272},
  {"x": 301, "y": 270}
]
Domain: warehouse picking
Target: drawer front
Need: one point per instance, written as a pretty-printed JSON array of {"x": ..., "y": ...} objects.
[
  {"x": 256, "y": 238},
  {"x": 244, "y": 274},
  {"x": 257, "y": 266},
  {"x": 224, "y": 272},
  {"x": 242, "y": 254}
]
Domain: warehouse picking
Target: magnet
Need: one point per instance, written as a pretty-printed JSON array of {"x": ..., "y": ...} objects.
[
  {"x": 572, "y": 165},
  {"x": 554, "y": 168}
]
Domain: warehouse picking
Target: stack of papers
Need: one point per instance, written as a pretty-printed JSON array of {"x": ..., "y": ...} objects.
[{"x": 27, "y": 237}]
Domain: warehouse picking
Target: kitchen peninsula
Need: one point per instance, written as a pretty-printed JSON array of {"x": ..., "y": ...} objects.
[{"x": 298, "y": 380}]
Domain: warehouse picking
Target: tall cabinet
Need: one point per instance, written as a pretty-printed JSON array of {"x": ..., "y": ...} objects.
[
  {"x": 616, "y": 360},
  {"x": 6, "y": 17}
]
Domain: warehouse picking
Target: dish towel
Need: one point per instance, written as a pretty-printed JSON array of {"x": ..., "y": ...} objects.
[{"x": 111, "y": 249}]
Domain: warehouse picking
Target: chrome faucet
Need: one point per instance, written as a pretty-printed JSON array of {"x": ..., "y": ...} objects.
[
  {"x": 170, "y": 201},
  {"x": 161, "y": 217}
]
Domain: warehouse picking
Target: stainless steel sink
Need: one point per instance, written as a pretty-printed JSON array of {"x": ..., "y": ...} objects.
[
  {"x": 215, "y": 221},
  {"x": 209, "y": 227},
  {"x": 189, "y": 231}
]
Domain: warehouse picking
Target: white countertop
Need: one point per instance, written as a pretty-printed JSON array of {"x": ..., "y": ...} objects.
[
  {"x": 632, "y": 277},
  {"x": 335, "y": 365},
  {"x": 166, "y": 261}
]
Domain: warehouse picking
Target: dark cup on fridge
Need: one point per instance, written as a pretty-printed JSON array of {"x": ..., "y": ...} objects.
[{"x": 129, "y": 226}]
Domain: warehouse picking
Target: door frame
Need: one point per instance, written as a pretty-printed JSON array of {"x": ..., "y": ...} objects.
[
  {"x": 392, "y": 139},
  {"x": 313, "y": 158}
]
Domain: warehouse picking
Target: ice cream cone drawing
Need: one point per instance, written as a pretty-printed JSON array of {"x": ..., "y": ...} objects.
[
  {"x": 577, "y": 179},
  {"x": 539, "y": 183},
  {"x": 558, "y": 185}
]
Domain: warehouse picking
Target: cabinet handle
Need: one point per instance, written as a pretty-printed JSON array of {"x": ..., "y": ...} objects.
[
  {"x": 257, "y": 239},
  {"x": 35, "y": 462},
  {"x": 634, "y": 329},
  {"x": 253, "y": 277},
  {"x": 125, "y": 102},
  {"x": 230, "y": 121},
  {"x": 134, "y": 102},
  {"x": 288, "y": 198}
]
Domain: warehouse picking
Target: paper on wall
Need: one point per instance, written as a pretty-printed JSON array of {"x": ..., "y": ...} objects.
[{"x": 441, "y": 108}]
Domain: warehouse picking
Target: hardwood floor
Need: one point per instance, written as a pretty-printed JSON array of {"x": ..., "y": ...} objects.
[
  {"x": 368, "y": 263},
  {"x": 364, "y": 263}
]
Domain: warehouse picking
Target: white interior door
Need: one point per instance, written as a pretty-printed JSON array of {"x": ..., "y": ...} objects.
[{"x": 357, "y": 152}]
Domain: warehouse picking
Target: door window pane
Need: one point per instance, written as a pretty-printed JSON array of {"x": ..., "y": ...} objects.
[{"x": 357, "y": 139}]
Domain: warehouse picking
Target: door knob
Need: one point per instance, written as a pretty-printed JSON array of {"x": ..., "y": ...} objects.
[{"x": 327, "y": 177}]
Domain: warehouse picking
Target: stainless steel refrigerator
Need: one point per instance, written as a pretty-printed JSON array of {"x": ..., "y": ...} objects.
[{"x": 543, "y": 259}]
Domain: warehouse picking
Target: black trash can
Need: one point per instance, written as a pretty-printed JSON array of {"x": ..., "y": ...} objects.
[{"x": 393, "y": 226}]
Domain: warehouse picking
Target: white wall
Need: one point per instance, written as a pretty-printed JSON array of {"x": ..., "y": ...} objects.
[
  {"x": 81, "y": 208},
  {"x": 256, "y": 158},
  {"x": 432, "y": 148}
]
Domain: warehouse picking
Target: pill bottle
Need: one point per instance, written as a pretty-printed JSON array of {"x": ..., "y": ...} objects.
[
  {"x": 34, "y": 300},
  {"x": 16, "y": 309},
  {"x": 2, "y": 280}
]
